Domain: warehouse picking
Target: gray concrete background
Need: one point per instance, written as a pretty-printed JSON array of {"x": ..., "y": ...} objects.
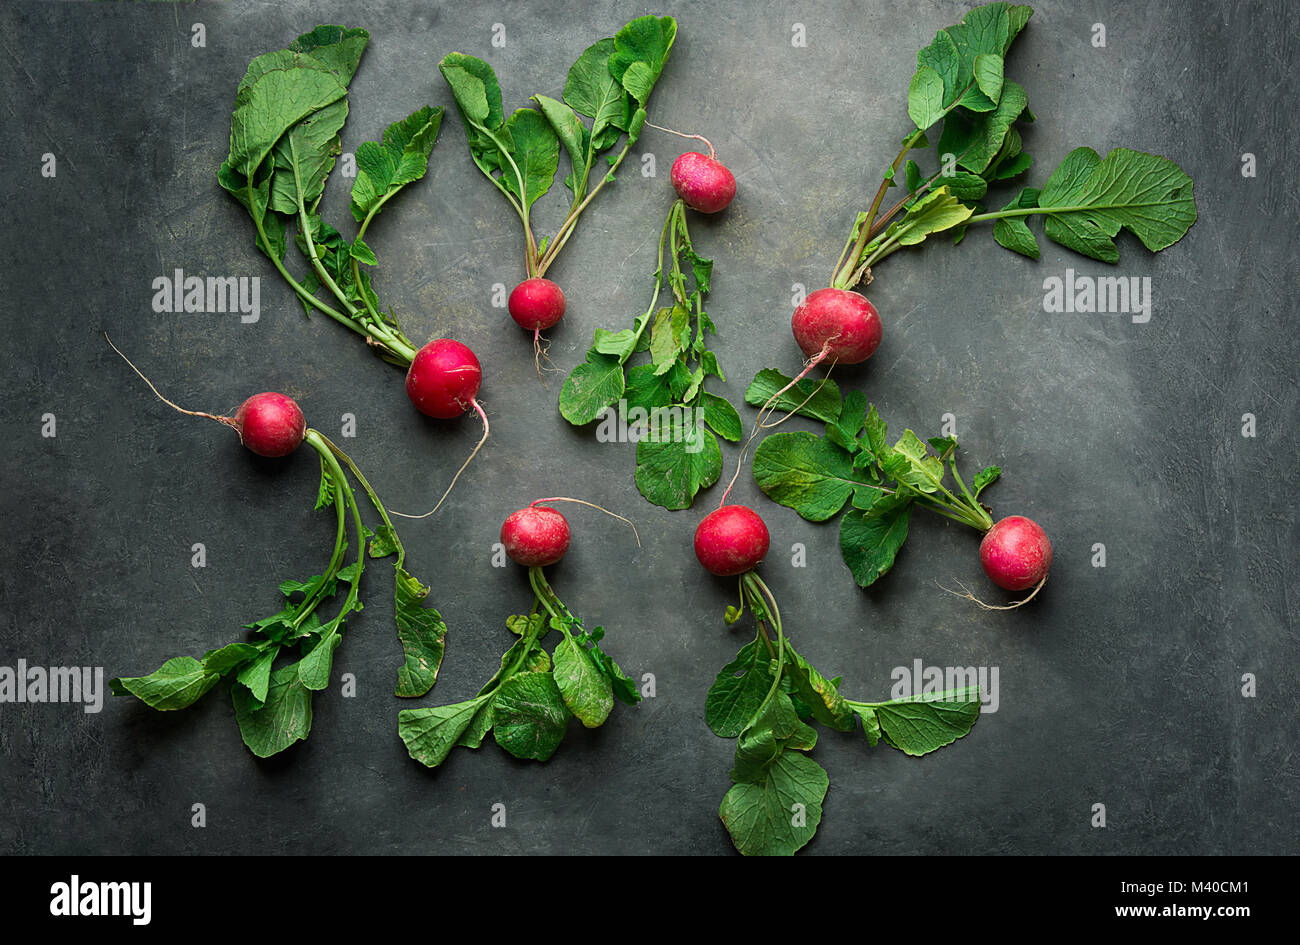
[{"x": 1121, "y": 686}]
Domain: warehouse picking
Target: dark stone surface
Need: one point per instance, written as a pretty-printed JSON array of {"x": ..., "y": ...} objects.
[{"x": 1120, "y": 686}]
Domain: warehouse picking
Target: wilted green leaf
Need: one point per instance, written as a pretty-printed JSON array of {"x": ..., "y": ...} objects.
[
  {"x": 530, "y": 716},
  {"x": 422, "y": 633},
  {"x": 761, "y": 817},
  {"x": 806, "y": 473},
  {"x": 284, "y": 717},
  {"x": 430, "y": 733},
  {"x": 178, "y": 683},
  {"x": 818, "y": 399},
  {"x": 870, "y": 540}
]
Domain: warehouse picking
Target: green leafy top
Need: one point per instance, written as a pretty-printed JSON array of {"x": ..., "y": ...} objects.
[
  {"x": 610, "y": 84},
  {"x": 960, "y": 83},
  {"x": 640, "y": 53},
  {"x": 528, "y": 703},
  {"x": 963, "y": 66},
  {"x": 402, "y": 157},
  {"x": 273, "y": 703},
  {"x": 290, "y": 108},
  {"x": 768, "y": 696},
  {"x": 853, "y": 464},
  {"x": 664, "y": 399}
]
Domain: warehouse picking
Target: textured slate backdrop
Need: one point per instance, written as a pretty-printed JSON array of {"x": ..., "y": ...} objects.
[{"x": 1120, "y": 686}]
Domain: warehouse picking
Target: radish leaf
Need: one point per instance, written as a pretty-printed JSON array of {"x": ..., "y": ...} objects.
[
  {"x": 758, "y": 813},
  {"x": 529, "y": 716},
  {"x": 385, "y": 167},
  {"x": 870, "y": 539},
  {"x": 573, "y": 134},
  {"x": 762, "y": 697},
  {"x": 805, "y": 472},
  {"x": 586, "y": 690},
  {"x": 431, "y": 733},
  {"x": 284, "y": 718},
  {"x": 535, "y": 150},
  {"x": 1088, "y": 200},
  {"x": 738, "y": 691},
  {"x": 852, "y": 462},
  {"x": 640, "y": 52},
  {"x": 520, "y": 155},
  {"x": 422, "y": 633},
  {"x": 961, "y": 84},
  {"x": 819, "y": 400},
  {"x": 177, "y": 684},
  {"x": 592, "y": 90},
  {"x": 676, "y": 461},
  {"x": 921, "y": 724},
  {"x": 526, "y": 705},
  {"x": 290, "y": 108},
  {"x": 925, "y": 96}
]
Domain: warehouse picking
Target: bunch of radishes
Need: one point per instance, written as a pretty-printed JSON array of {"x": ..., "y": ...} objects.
[
  {"x": 272, "y": 695},
  {"x": 528, "y": 703},
  {"x": 769, "y": 697}
]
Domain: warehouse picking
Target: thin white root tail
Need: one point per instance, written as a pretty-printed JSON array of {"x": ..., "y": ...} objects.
[
  {"x": 539, "y": 355},
  {"x": 967, "y": 595},
  {"x": 713, "y": 155},
  {"x": 483, "y": 439},
  {"x": 763, "y": 425},
  {"x": 227, "y": 421},
  {"x": 767, "y": 408},
  {"x": 601, "y": 508}
]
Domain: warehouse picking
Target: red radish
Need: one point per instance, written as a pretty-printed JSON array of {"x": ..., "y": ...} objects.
[
  {"x": 1016, "y": 553},
  {"x": 837, "y": 324},
  {"x": 703, "y": 182},
  {"x": 535, "y": 536},
  {"x": 270, "y": 424},
  {"x": 585, "y": 677},
  {"x": 536, "y": 304},
  {"x": 731, "y": 540},
  {"x": 443, "y": 379},
  {"x": 831, "y": 325},
  {"x": 443, "y": 382}
]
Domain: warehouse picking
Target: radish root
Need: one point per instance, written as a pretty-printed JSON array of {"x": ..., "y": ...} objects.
[
  {"x": 539, "y": 355},
  {"x": 483, "y": 439},
  {"x": 227, "y": 421},
  {"x": 562, "y": 498},
  {"x": 713, "y": 155},
  {"x": 967, "y": 595}
]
